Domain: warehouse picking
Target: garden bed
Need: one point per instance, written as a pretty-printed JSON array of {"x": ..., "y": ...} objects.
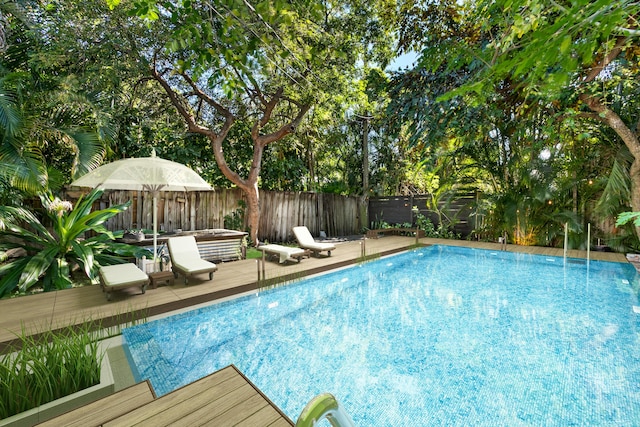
[{"x": 60, "y": 406}]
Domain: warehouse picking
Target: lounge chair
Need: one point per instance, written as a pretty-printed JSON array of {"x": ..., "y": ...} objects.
[
  {"x": 121, "y": 276},
  {"x": 306, "y": 241},
  {"x": 285, "y": 253},
  {"x": 186, "y": 260}
]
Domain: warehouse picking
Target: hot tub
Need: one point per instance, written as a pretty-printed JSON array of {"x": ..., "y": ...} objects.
[{"x": 215, "y": 245}]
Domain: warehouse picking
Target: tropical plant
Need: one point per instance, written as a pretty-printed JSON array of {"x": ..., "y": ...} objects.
[
  {"x": 579, "y": 57},
  {"x": 430, "y": 230},
  {"x": 627, "y": 217},
  {"x": 50, "y": 254},
  {"x": 48, "y": 128},
  {"x": 235, "y": 219}
]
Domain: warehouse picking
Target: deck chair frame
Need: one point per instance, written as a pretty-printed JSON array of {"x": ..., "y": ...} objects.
[{"x": 186, "y": 259}]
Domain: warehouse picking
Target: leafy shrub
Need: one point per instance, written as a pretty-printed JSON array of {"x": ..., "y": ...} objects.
[
  {"x": 430, "y": 230},
  {"x": 379, "y": 224},
  {"x": 235, "y": 220},
  {"x": 51, "y": 253}
]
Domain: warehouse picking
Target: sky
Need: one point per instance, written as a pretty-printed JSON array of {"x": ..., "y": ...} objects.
[{"x": 403, "y": 61}]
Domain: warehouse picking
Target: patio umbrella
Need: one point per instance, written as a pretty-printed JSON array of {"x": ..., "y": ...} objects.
[{"x": 151, "y": 174}]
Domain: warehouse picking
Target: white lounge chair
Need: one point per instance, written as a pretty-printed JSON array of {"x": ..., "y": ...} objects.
[
  {"x": 285, "y": 253},
  {"x": 120, "y": 276},
  {"x": 306, "y": 241},
  {"x": 186, "y": 260}
]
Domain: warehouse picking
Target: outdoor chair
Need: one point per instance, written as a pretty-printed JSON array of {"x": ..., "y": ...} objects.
[
  {"x": 284, "y": 253},
  {"x": 121, "y": 276},
  {"x": 186, "y": 260},
  {"x": 306, "y": 241}
]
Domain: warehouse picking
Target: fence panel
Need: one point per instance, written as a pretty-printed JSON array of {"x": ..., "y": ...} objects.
[
  {"x": 399, "y": 210},
  {"x": 200, "y": 210}
]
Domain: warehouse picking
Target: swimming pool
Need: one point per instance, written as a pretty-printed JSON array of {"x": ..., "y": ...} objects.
[{"x": 439, "y": 336}]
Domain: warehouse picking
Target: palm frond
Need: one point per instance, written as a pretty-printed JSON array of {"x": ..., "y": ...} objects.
[
  {"x": 89, "y": 152},
  {"x": 10, "y": 117},
  {"x": 617, "y": 192},
  {"x": 10, "y": 273},
  {"x": 21, "y": 165}
]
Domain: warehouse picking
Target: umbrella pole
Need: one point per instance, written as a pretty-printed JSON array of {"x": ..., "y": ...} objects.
[{"x": 155, "y": 230}]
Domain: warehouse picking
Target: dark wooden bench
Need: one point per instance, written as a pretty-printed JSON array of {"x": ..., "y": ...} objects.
[
  {"x": 396, "y": 231},
  {"x": 106, "y": 409}
]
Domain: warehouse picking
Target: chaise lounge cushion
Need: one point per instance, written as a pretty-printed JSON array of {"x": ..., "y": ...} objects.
[
  {"x": 306, "y": 241},
  {"x": 120, "y": 276},
  {"x": 284, "y": 252},
  {"x": 185, "y": 258}
]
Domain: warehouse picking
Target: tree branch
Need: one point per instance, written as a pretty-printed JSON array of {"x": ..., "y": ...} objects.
[
  {"x": 229, "y": 118},
  {"x": 285, "y": 129},
  {"x": 267, "y": 111},
  {"x": 177, "y": 102},
  {"x": 606, "y": 60},
  {"x": 591, "y": 116},
  {"x": 608, "y": 116}
]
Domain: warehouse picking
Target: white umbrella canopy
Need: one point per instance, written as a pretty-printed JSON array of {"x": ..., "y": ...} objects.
[{"x": 151, "y": 174}]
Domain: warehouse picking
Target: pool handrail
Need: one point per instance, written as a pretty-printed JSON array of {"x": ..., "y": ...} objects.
[{"x": 324, "y": 405}]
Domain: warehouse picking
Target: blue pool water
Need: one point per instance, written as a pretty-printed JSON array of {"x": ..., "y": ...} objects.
[{"x": 439, "y": 336}]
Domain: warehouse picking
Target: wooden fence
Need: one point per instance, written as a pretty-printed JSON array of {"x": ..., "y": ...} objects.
[{"x": 200, "y": 210}]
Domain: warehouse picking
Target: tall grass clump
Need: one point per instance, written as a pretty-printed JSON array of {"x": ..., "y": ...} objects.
[{"x": 47, "y": 367}]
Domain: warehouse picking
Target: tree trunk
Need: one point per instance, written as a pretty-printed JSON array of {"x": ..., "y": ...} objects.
[
  {"x": 634, "y": 174},
  {"x": 630, "y": 139},
  {"x": 249, "y": 186},
  {"x": 253, "y": 213}
]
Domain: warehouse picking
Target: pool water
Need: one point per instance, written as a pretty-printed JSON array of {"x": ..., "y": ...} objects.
[{"x": 439, "y": 336}]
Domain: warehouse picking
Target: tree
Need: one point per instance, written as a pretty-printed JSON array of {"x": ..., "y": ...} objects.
[
  {"x": 576, "y": 55},
  {"x": 234, "y": 60},
  {"x": 48, "y": 132}
]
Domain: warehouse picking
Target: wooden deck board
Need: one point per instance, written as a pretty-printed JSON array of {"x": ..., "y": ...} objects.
[
  {"x": 224, "y": 380},
  {"x": 213, "y": 402},
  {"x": 216, "y": 409},
  {"x": 277, "y": 423},
  {"x": 236, "y": 413},
  {"x": 224, "y": 398},
  {"x": 266, "y": 416},
  {"x": 105, "y": 409}
]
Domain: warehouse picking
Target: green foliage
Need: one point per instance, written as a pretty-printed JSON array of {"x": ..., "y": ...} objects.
[
  {"x": 379, "y": 223},
  {"x": 235, "y": 220},
  {"x": 51, "y": 366},
  {"x": 626, "y": 217},
  {"x": 49, "y": 130},
  {"x": 441, "y": 232},
  {"x": 52, "y": 253},
  {"x": 498, "y": 103},
  {"x": 544, "y": 46}
]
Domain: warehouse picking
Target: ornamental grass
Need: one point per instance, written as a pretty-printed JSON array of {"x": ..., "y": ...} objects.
[{"x": 47, "y": 367}]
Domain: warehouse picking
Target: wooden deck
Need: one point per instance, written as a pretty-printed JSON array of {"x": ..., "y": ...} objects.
[
  {"x": 99, "y": 412},
  {"x": 227, "y": 397},
  {"x": 224, "y": 398}
]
